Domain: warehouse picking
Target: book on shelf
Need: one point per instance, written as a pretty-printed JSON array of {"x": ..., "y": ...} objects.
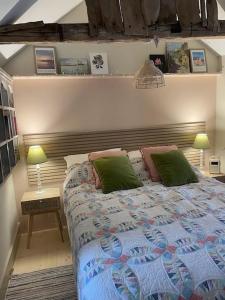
[
  {"x": 4, "y": 96},
  {"x": 7, "y": 124},
  {"x": 5, "y": 160},
  {"x": 12, "y": 158},
  {"x": 1, "y": 174},
  {"x": 2, "y": 127}
]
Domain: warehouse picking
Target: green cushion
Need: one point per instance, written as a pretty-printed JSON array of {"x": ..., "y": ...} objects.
[
  {"x": 173, "y": 168},
  {"x": 116, "y": 173}
]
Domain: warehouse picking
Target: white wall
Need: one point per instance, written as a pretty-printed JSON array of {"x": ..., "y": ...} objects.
[
  {"x": 8, "y": 223},
  {"x": 220, "y": 117},
  {"x": 123, "y": 57}
]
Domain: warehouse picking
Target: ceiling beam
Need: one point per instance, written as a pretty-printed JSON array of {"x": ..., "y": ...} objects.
[{"x": 54, "y": 32}]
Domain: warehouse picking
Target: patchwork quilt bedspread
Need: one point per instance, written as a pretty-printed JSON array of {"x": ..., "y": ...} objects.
[{"x": 149, "y": 243}]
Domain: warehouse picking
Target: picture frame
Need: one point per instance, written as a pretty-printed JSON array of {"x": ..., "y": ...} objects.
[
  {"x": 159, "y": 62},
  {"x": 45, "y": 60},
  {"x": 99, "y": 63},
  {"x": 178, "y": 60},
  {"x": 74, "y": 66},
  {"x": 198, "y": 61}
]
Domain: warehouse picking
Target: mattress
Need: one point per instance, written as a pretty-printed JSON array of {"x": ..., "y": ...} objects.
[{"x": 148, "y": 243}]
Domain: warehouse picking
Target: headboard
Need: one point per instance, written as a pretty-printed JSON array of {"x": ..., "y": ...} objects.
[{"x": 58, "y": 145}]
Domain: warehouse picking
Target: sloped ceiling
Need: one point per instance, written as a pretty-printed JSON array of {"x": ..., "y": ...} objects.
[{"x": 22, "y": 11}]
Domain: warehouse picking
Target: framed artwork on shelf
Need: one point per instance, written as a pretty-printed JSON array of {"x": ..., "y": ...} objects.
[
  {"x": 45, "y": 60},
  {"x": 178, "y": 57},
  {"x": 74, "y": 66},
  {"x": 99, "y": 63},
  {"x": 159, "y": 62},
  {"x": 198, "y": 61}
]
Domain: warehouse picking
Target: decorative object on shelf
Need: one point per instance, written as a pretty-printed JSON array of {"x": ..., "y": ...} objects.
[
  {"x": 99, "y": 63},
  {"x": 37, "y": 156},
  {"x": 178, "y": 58},
  {"x": 149, "y": 76},
  {"x": 45, "y": 60},
  {"x": 159, "y": 62},
  {"x": 201, "y": 143},
  {"x": 198, "y": 61},
  {"x": 214, "y": 165},
  {"x": 74, "y": 66}
]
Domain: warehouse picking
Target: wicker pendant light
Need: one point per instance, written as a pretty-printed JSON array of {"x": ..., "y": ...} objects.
[{"x": 149, "y": 76}]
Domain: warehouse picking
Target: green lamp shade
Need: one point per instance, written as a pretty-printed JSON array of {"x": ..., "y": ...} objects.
[
  {"x": 36, "y": 155},
  {"x": 201, "y": 141}
]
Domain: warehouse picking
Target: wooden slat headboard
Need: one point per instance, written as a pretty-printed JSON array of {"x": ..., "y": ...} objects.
[{"x": 58, "y": 145}]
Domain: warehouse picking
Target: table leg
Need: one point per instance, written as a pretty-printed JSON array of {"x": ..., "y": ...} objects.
[
  {"x": 60, "y": 225},
  {"x": 30, "y": 229}
]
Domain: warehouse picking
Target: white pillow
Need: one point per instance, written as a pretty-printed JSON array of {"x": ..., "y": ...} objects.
[
  {"x": 134, "y": 154},
  {"x": 79, "y": 158},
  {"x": 75, "y": 159}
]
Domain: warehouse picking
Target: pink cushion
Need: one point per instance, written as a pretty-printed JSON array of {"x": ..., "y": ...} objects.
[
  {"x": 107, "y": 153},
  {"x": 146, "y": 153}
]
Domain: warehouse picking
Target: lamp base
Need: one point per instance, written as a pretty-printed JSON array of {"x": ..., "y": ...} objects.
[
  {"x": 202, "y": 160},
  {"x": 40, "y": 191}
]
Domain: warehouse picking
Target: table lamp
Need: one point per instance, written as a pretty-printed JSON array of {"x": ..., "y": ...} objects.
[
  {"x": 37, "y": 156},
  {"x": 202, "y": 143}
]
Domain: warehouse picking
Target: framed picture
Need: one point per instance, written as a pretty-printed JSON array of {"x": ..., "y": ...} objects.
[
  {"x": 99, "y": 63},
  {"x": 45, "y": 60},
  {"x": 73, "y": 66},
  {"x": 178, "y": 58},
  {"x": 198, "y": 61},
  {"x": 159, "y": 62}
]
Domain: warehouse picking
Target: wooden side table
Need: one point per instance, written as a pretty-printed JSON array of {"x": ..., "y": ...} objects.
[
  {"x": 34, "y": 203},
  {"x": 220, "y": 177}
]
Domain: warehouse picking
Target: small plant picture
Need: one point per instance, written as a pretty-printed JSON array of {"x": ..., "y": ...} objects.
[
  {"x": 99, "y": 63},
  {"x": 159, "y": 62}
]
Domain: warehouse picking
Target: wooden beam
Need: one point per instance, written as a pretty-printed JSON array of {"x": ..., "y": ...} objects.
[
  {"x": 111, "y": 15},
  {"x": 43, "y": 33},
  {"x": 150, "y": 10},
  {"x": 167, "y": 12},
  {"x": 94, "y": 16},
  {"x": 212, "y": 15},
  {"x": 133, "y": 19},
  {"x": 188, "y": 12},
  {"x": 203, "y": 13}
]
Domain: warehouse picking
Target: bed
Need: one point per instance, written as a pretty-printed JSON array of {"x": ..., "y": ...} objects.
[
  {"x": 147, "y": 243},
  {"x": 151, "y": 242}
]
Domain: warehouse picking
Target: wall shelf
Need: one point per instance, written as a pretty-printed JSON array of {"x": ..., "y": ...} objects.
[{"x": 191, "y": 75}]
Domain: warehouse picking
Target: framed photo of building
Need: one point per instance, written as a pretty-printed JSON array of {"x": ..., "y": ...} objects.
[
  {"x": 45, "y": 60},
  {"x": 198, "y": 61},
  {"x": 99, "y": 63}
]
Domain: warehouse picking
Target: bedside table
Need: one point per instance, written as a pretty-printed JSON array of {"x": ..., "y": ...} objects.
[
  {"x": 220, "y": 177},
  {"x": 34, "y": 203}
]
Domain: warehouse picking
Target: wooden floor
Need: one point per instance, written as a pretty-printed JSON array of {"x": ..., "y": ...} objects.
[{"x": 46, "y": 251}]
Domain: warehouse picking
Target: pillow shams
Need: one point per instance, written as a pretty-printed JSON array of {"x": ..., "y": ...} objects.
[
  {"x": 79, "y": 174},
  {"x": 173, "y": 168},
  {"x": 116, "y": 173}
]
